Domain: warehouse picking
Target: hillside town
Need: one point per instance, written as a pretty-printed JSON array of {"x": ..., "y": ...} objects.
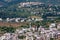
[
  {"x": 30, "y": 21},
  {"x": 34, "y": 33}
]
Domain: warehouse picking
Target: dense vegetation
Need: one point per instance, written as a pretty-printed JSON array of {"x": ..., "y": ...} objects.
[
  {"x": 14, "y": 11},
  {"x": 11, "y": 9},
  {"x": 7, "y": 29}
]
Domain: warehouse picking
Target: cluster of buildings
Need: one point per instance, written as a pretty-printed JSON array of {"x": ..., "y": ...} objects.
[
  {"x": 27, "y": 4},
  {"x": 32, "y": 18},
  {"x": 34, "y": 33},
  {"x": 9, "y": 36}
]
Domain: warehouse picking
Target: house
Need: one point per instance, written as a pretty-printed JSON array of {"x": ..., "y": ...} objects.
[
  {"x": 35, "y": 18},
  {"x": 28, "y": 20},
  {"x": 22, "y": 20},
  {"x": 52, "y": 25},
  {"x": 10, "y": 19},
  {"x": 17, "y": 19},
  {"x": 1, "y": 19}
]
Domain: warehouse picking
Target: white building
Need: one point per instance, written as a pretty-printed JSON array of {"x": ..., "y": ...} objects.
[
  {"x": 8, "y": 36},
  {"x": 58, "y": 26},
  {"x": 52, "y": 25},
  {"x": 17, "y": 19},
  {"x": 1, "y": 19}
]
